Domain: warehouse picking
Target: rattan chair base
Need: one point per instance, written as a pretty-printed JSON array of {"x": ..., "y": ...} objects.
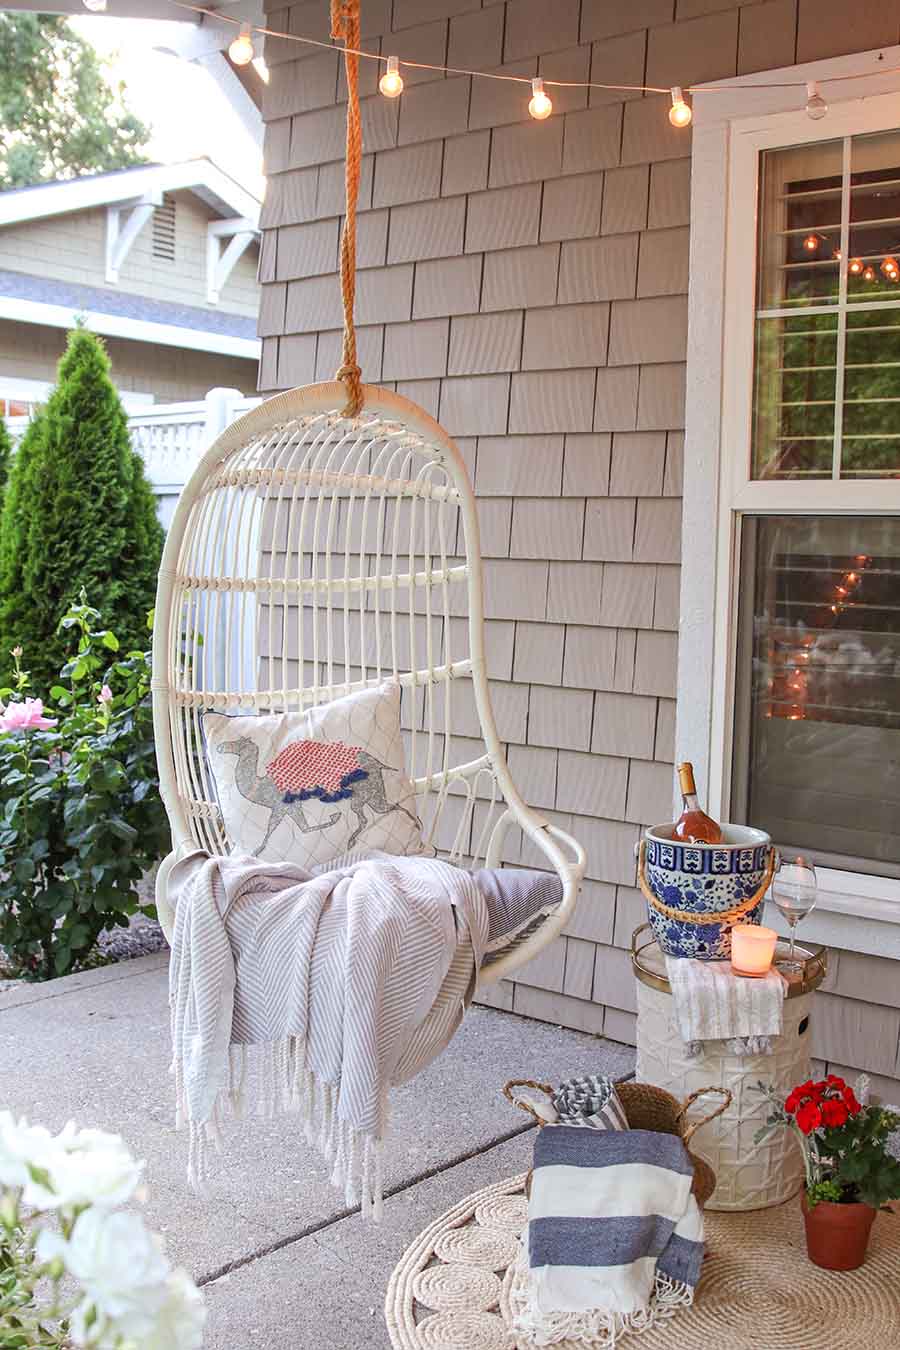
[{"x": 758, "y": 1291}]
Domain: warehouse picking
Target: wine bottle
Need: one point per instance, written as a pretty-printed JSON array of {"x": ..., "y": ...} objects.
[{"x": 693, "y": 825}]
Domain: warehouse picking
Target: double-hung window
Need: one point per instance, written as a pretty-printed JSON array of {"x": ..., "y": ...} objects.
[{"x": 804, "y": 684}]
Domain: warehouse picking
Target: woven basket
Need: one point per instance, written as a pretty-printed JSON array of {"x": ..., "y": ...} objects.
[{"x": 648, "y": 1108}]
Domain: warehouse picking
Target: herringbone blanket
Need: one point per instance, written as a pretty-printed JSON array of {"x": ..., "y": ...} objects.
[{"x": 330, "y": 978}]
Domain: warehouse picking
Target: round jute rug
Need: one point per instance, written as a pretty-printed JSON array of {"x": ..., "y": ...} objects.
[{"x": 452, "y": 1288}]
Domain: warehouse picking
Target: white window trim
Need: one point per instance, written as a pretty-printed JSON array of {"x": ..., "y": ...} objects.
[{"x": 733, "y": 121}]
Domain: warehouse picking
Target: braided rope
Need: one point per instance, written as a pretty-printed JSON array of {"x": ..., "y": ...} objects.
[
  {"x": 706, "y": 916},
  {"x": 345, "y": 29}
]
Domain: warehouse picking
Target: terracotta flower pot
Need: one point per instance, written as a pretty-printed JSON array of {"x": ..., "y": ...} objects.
[{"x": 837, "y": 1235}]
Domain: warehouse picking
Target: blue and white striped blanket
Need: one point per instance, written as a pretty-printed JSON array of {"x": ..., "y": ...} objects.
[{"x": 614, "y": 1237}]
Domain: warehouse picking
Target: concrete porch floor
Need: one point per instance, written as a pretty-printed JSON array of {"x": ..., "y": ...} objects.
[{"x": 284, "y": 1264}]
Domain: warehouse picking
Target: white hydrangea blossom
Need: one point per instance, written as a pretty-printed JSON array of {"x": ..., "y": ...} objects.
[
  {"x": 130, "y": 1297},
  {"x": 85, "y": 1167}
]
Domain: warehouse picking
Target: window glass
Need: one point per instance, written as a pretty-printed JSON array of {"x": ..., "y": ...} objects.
[
  {"x": 817, "y": 708},
  {"x": 827, "y": 366}
]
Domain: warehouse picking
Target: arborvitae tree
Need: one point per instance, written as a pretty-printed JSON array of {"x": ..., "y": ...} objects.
[
  {"x": 16, "y": 513},
  {"x": 83, "y": 517},
  {"x": 5, "y": 455}
]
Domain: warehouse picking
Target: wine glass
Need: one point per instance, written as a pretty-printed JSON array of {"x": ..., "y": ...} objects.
[{"x": 794, "y": 895}]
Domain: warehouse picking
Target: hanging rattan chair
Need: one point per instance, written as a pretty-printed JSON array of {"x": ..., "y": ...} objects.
[
  {"x": 311, "y": 555},
  {"x": 321, "y": 547}
]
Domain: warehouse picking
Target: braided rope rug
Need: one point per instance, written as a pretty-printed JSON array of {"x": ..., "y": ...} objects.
[{"x": 452, "y": 1288}]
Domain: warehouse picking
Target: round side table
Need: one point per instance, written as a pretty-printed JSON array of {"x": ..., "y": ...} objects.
[{"x": 749, "y": 1175}]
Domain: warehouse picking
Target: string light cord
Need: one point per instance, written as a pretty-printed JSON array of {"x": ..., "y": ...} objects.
[{"x": 517, "y": 79}]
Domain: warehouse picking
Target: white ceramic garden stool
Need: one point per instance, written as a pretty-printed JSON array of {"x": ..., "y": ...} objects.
[{"x": 749, "y": 1175}]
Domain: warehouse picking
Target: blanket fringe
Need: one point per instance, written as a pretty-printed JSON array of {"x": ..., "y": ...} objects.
[
  {"x": 599, "y": 1328},
  {"x": 285, "y": 1084}
]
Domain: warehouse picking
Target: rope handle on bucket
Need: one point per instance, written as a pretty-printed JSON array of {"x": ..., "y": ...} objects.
[
  {"x": 718, "y": 916},
  {"x": 689, "y": 1133}
]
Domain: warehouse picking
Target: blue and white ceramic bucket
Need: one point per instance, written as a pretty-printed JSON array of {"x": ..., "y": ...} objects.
[{"x": 696, "y": 893}]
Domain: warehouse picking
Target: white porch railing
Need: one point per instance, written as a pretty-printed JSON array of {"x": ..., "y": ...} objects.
[{"x": 171, "y": 437}]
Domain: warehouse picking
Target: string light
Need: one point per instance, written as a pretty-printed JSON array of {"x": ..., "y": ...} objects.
[
  {"x": 241, "y": 50},
  {"x": 539, "y": 105},
  {"x": 869, "y": 274},
  {"x": 811, "y": 243},
  {"x": 391, "y": 82},
  {"x": 816, "y": 107},
  {"x": 837, "y": 255},
  {"x": 855, "y": 265},
  {"x": 889, "y": 268},
  {"x": 680, "y": 114}
]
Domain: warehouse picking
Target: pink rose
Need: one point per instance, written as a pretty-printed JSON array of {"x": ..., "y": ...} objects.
[
  {"x": 105, "y": 695},
  {"x": 27, "y": 716}
]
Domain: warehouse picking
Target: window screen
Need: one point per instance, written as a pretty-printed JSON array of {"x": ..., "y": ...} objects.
[
  {"x": 827, "y": 368},
  {"x": 817, "y": 711}
]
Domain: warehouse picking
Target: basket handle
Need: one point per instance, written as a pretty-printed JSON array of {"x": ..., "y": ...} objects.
[
  {"x": 689, "y": 916},
  {"x": 509, "y": 1093},
  {"x": 717, "y": 1111}
]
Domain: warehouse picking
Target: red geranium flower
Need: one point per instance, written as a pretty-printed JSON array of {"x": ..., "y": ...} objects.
[
  {"x": 809, "y": 1117},
  {"x": 850, "y": 1101},
  {"x": 833, "y": 1081},
  {"x": 834, "y": 1113},
  {"x": 793, "y": 1101}
]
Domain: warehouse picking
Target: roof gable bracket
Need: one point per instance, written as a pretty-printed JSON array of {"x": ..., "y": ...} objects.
[
  {"x": 121, "y": 234},
  {"x": 240, "y": 233}
]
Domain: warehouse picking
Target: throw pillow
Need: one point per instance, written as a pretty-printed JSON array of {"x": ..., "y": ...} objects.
[{"x": 310, "y": 786}]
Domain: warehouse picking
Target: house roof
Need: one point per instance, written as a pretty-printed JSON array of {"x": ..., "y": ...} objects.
[
  {"x": 114, "y": 313},
  {"x": 200, "y": 176}
]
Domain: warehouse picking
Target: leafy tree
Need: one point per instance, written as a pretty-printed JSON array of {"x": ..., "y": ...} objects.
[
  {"x": 5, "y": 456},
  {"x": 59, "y": 116},
  {"x": 80, "y": 514}
]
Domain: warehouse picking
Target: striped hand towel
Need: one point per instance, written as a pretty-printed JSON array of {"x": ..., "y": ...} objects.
[
  {"x": 590, "y": 1101},
  {"x": 614, "y": 1237},
  {"x": 712, "y": 1003}
]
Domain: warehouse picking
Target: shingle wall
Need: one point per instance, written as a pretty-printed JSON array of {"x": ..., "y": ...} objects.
[{"x": 526, "y": 284}]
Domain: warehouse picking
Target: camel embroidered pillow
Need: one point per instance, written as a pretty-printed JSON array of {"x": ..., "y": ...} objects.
[{"x": 307, "y": 787}]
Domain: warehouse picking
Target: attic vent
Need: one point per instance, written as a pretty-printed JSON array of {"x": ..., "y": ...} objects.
[{"x": 164, "y": 229}]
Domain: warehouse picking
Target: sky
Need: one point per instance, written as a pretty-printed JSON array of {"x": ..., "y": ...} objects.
[{"x": 179, "y": 100}]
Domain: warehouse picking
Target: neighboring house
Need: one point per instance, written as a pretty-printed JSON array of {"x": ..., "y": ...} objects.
[
  {"x": 160, "y": 260},
  {"x": 534, "y": 286}
]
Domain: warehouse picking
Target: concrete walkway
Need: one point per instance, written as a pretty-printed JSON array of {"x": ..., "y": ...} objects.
[{"x": 285, "y": 1265}]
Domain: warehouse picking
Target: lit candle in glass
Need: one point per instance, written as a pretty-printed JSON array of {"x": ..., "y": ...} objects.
[{"x": 752, "y": 949}]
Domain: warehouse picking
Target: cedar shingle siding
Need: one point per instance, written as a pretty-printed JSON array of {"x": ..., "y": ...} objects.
[{"x": 526, "y": 284}]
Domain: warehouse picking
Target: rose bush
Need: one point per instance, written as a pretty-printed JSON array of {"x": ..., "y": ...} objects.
[
  {"x": 844, "y": 1143},
  {"x": 80, "y": 815},
  {"x": 127, "y": 1295}
]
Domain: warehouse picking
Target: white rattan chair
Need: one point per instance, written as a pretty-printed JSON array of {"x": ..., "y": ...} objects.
[{"x": 312, "y": 555}]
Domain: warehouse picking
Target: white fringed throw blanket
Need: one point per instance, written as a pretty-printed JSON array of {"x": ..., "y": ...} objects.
[
  {"x": 330, "y": 976},
  {"x": 614, "y": 1237}
]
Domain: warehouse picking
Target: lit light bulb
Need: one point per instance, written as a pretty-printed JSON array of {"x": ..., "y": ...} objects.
[
  {"x": 837, "y": 255},
  {"x": 816, "y": 107},
  {"x": 95, "y": 6},
  {"x": 680, "y": 113},
  {"x": 889, "y": 267},
  {"x": 811, "y": 243},
  {"x": 391, "y": 82},
  {"x": 855, "y": 265},
  {"x": 241, "y": 50},
  {"x": 540, "y": 104},
  {"x": 869, "y": 274}
]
